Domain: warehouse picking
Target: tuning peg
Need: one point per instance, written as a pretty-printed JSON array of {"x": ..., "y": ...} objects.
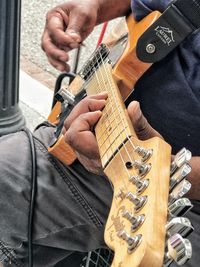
[
  {"x": 179, "y": 250},
  {"x": 142, "y": 168},
  {"x": 178, "y": 176},
  {"x": 144, "y": 153},
  {"x": 140, "y": 184},
  {"x": 133, "y": 242},
  {"x": 136, "y": 220},
  {"x": 179, "y": 191},
  {"x": 180, "y": 225},
  {"x": 182, "y": 157},
  {"x": 138, "y": 201},
  {"x": 179, "y": 207}
]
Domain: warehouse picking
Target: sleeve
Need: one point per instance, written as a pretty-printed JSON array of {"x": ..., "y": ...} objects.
[{"x": 142, "y": 8}]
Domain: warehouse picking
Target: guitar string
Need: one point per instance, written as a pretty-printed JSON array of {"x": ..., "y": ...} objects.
[
  {"x": 99, "y": 83},
  {"x": 123, "y": 144},
  {"x": 102, "y": 60},
  {"x": 113, "y": 94},
  {"x": 127, "y": 136}
]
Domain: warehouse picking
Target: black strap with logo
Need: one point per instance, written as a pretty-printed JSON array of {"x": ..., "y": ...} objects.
[{"x": 181, "y": 18}]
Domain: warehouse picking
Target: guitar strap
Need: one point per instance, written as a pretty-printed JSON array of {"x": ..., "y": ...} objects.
[{"x": 181, "y": 18}]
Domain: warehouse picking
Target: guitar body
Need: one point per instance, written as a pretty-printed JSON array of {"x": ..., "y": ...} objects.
[{"x": 126, "y": 71}]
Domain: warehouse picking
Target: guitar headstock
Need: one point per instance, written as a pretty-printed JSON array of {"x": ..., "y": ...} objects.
[{"x": 136, "y": 227}]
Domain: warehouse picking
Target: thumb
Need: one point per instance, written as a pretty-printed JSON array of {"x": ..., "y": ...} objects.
[
  {"x": 140, "y": 124},
  {"x": 80, "y": 25},
  {"x": 74, "y": 30}
]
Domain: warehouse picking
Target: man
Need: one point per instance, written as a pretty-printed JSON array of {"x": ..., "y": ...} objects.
[{"x": 70, "y": 212}]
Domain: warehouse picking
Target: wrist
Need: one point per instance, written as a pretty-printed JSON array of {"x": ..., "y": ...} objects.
[{"x": 111, "y": 9}]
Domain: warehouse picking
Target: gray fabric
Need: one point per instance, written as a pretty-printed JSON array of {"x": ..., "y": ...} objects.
[{"x": 69, "y": 210}]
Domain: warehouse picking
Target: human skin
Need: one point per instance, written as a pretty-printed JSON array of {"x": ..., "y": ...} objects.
[{"x": 68, "y": 25}]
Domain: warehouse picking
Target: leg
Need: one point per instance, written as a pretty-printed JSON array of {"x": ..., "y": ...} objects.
[{"x": 69, "y": 210}]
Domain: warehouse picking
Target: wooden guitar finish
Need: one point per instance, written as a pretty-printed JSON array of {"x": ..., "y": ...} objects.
[
  {"x": 126, "y": 71},
  {"x": 118, "y": 146}
]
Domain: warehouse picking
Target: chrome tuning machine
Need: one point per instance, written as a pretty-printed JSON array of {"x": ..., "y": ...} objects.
[
  {"x": 144, "y": 153},
  {"x": 179, "y": 191},
  {"x": 179, "y": 175},
  {"x": 180, "y": 207},
  {"x": 179, "y": 250},
  {"x": 180, "y": 225},
  {"x": 182, "y": 157}
]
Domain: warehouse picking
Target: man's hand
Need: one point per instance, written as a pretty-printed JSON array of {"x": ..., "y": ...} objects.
[
  {"x": 140, "y": 124},
  {"x": 79, "y": 126},
  {"x": 78, "y": 131},
  {"x": 67, "y": 25}
]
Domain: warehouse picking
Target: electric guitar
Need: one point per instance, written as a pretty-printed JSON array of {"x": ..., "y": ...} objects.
[
  {"x": 145, "y": 201},
  {"x": 120, "y": 49}
]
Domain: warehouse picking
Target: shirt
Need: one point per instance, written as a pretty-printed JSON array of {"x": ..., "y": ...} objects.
[{"x": 169, "y": 92}]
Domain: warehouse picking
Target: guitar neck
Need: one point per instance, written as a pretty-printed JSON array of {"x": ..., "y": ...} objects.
[
  {"x": 114, "y": 127},
  {"x": 118, "y": 144}
]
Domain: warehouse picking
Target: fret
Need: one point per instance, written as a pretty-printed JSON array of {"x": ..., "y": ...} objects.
[
  {"x": 120, "y": 138},
  {"x": 109, "y": 132},
  {"x": 109, "y": 142}
]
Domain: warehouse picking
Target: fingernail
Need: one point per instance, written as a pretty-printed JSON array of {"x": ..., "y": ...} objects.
[
  {"x": 103, "y": 93},
  {"x": 64, "y": 59},
  {"x": 60, "y": 68},
  {"x": 74, "y": 45},
  {"x": 74, "y": 35}
]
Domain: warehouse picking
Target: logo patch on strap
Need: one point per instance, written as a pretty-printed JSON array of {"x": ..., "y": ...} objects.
[{"x": 165, "y": 34}]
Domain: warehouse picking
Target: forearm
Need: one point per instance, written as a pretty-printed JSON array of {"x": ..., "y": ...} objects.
[
  {"x": 194, "y": 179},
  {"x": 110, "y": 9}
]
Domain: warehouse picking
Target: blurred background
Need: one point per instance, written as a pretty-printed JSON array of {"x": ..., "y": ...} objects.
[{"x": 32, "y": 56}]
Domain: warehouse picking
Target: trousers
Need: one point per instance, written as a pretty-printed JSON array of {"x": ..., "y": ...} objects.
[{"x": 71, "y": 205}]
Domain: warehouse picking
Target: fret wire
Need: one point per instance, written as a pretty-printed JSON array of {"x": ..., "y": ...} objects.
[
  {"x": 117, "y": 137},
  {"x": 99, "y": 83},
  {"x": 110, "y": 106},
  {"x": 112, "y": 119},
  {"x": 105, "y": 107},
  {"x": 99, "y": 80},
  {"x": 110, "y": 132},
  {"x": 120, "y": 113},
  {"x": 127, "y": 136},
  {"x": 98, "y": 86},
  {"x": 123, "y": 163}
]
